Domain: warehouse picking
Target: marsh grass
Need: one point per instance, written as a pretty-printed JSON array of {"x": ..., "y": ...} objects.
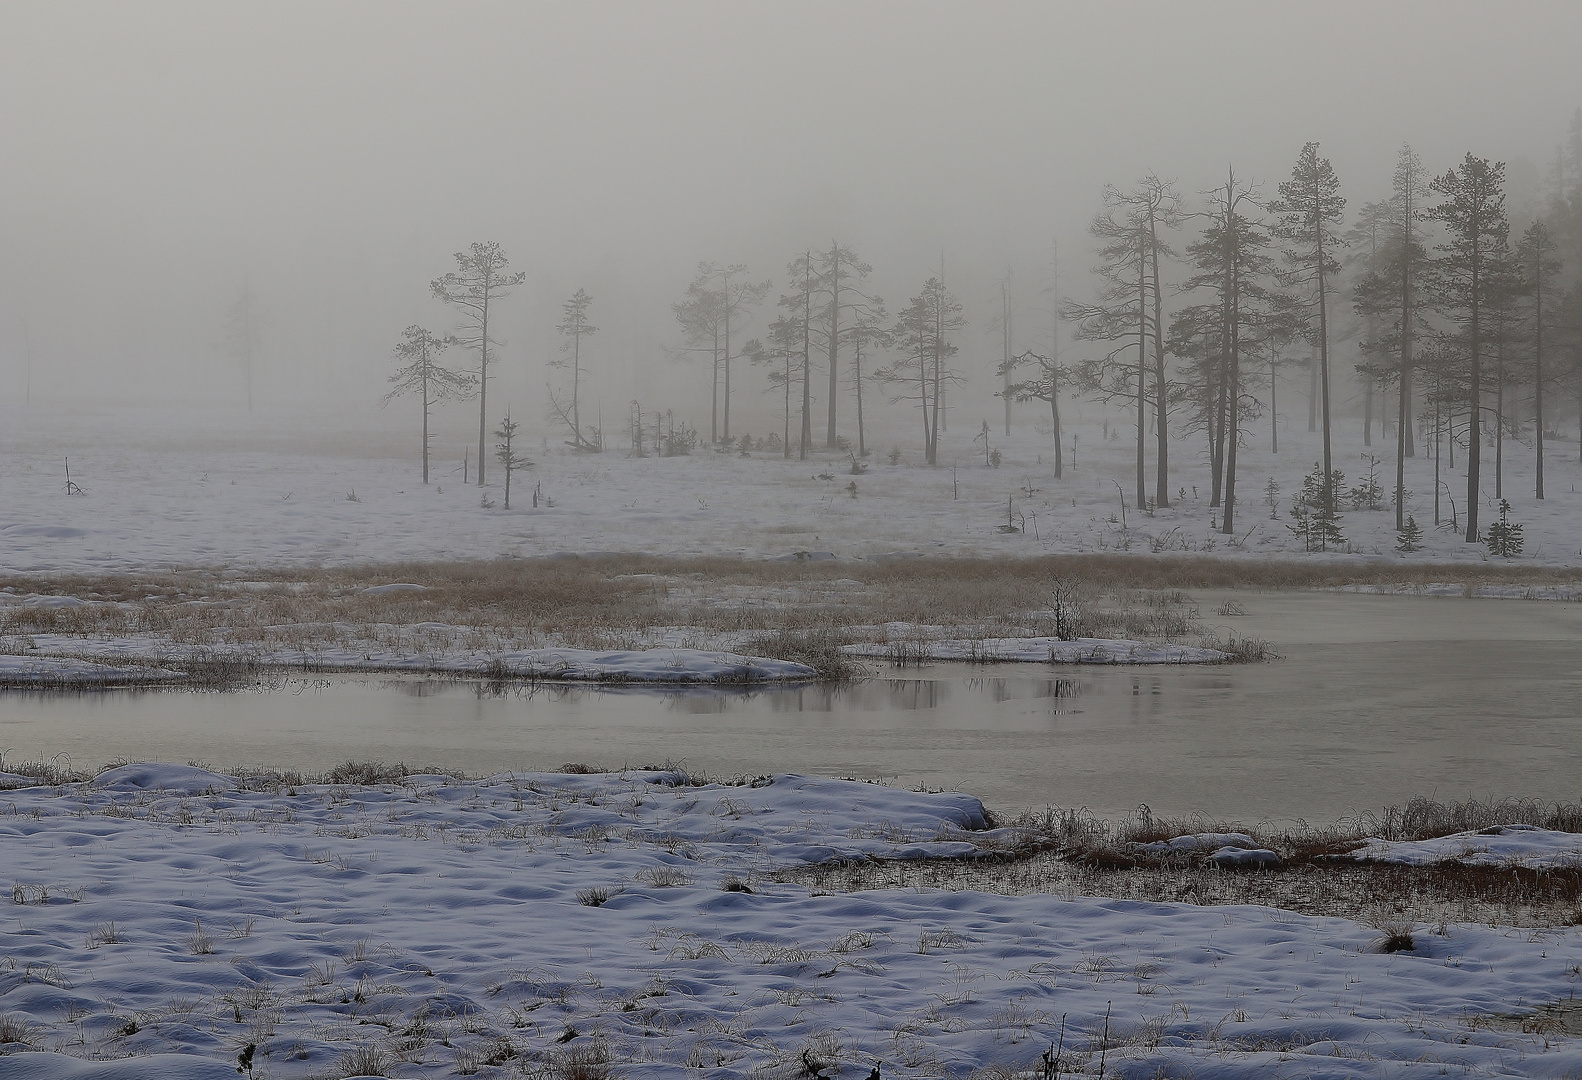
[
  {"x": 1075, "y": 852},
  {"x": 220, "y": 626}
]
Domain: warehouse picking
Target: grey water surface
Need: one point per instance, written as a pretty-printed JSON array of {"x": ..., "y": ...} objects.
[{"x": 1375, "y": 699}]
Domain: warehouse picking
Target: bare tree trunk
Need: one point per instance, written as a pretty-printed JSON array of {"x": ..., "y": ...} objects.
[
  {"x": 1274, "y": 408},
  {"x": 725, "y": 356},
  {"x": 1161, "y": 402},
  {"x": 425, "y": 421},
  {"x": 483, "y": 384},
  {"x": 1474, "y": 434},
  {"x": 1233, "y": 378},
  {"x": 1323, "y": 363},
  {"x": 834, "y": 340},
  {"x": 1142, "y": 379},
  {"x": 714, "y": 389},
  {"x": 807, "y": 357},
  {"x": 1312, "y": 392},
  {"x": 1367, "y": 410},
  {"x": 1538, "y": 371},
  {"x": 856, "y": 360}
]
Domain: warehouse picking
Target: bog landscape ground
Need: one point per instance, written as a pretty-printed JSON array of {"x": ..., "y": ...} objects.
[{"x": 172, "y": 920}]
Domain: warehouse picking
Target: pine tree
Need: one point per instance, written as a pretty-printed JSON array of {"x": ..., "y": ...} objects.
[
  {"x": 481, "y": 277},
  {"x": 1472, "y": 209},
  {"x": 1310, "y": 204},
  {"x": 505, "y": 453},
  {"x": 424, "y": 376}
]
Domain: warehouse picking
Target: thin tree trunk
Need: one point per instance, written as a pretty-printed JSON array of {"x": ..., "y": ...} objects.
[
  {"x": 1367, "y": 410},
  {"x": 1323, "y": 363},
  {"x": 1161, "y": 403},
  {"x": 1438, "y": 438},
  {"x": 834, "y": 340},
  {"x": 1499, "y": 418},
  {"x": 856, "y": 360},
  {"x": 1233, "y": 378},
  {"x": 714, "y": 390},
  {"x": 1312, "y": 393},
  {"x": 1274, "y": 409},
  {"x": 1474, "y": 432},
  {"x": 725, "y": 357},
  {"x": 1142, "y": 379},
  {"x": 1538, "y": 369},
  {"x": 483, "y": 383},
  {"x": 807, "y": 357},
  {"x": 576, "y": 378},
  {"x": 425, "y": 419}
]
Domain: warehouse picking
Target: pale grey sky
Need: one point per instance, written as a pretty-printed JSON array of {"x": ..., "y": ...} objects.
[{"x": 334, "y": 155}]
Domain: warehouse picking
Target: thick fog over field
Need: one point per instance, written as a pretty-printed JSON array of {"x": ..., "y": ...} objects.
[{"x": 165, "y": 159}]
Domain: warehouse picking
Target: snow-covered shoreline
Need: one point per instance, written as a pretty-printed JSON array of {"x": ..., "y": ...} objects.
[{"x": 522, "y": 923}]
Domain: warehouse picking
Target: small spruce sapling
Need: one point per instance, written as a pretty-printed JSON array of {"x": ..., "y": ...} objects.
[
  {"x": 505, "y": 453},
  {"x": 1271, "y": 498},
  {"x": 1504, "y": 537},
  {"x": 1410, "y": 536}
]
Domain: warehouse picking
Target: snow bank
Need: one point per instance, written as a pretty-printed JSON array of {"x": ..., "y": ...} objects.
[
  {"x": 171, "y": 912},
  {"x": 54, "y": 670},
  {"x": 1041, "y": 650},
  {"x": 1502, "y": 846},
  {"x": 657, "y": 665}
]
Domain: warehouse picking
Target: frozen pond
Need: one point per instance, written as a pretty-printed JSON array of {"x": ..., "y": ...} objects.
[{"x": 1377, "y": 698}]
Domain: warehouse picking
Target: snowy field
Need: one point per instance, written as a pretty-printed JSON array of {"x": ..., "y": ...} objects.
[
  {"x": 630, "y": 925},
  {"x": 229, "y": 491}
]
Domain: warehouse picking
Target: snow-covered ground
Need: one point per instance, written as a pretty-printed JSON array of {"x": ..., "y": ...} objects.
[
  {"x": 167, "y": 490},
  {"x": 541, "y": 922},
  {"x": 1502, "y": 846}
]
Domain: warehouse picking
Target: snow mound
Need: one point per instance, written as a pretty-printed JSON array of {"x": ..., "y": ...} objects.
[
  {"x": 1237, "y": 856},
  {"x": 1195, "y": 842},
  {"x": 394, "y": 587},
  {"x": 1503, "y": 846},
  {"x": 163, "y": 777},
  {"x": 54, "y": 603}
]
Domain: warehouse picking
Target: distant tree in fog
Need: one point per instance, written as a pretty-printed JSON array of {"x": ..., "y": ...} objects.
[
  {"x": 420, "y": 374},
  {"x": 574, "y": 326},
  {"x": 481, "y": 276},
  {"x": 800, "y": 305},
  {"x": 922, "y": 335},
  {"x": 1129, "y": 311},
  {"x": 718, "y": 302},
  {"x": 838, "y": 277},
  {"x": 867, "y": 331},
  {"x": 1047, "y": 377},
  {"x": 781, "y": 354},
  {"x": 1308, "y": 210},
  {"x": 1388, "y": 293},
  {"x": 1472, "y": 209},
  {"x": 1232, "y": 260},
  {"x": 244, "y": 327},
  {"x": 1541, "y": 265}
]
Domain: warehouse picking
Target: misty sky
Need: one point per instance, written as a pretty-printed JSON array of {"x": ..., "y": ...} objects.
[{"x": 159, "y": 156}]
